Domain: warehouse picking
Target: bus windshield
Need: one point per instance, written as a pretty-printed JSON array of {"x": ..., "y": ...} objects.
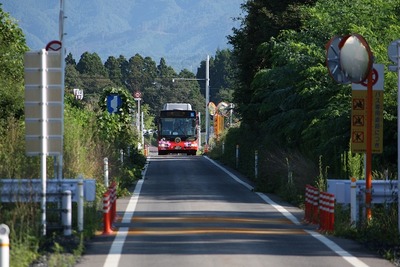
[{"x": 177, "y": 127}]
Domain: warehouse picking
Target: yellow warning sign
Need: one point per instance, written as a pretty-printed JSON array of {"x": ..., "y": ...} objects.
[{"x": 359, "y": 117}]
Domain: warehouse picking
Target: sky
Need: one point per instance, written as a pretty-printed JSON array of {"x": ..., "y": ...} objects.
[{"x": 183, "y": 32}]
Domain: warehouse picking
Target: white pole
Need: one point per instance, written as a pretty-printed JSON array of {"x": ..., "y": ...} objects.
[
  {"x": 199, "y": 131},
  {"x": 80, "y": 203},
  {"x": 4, "y": 246},
  {"x": 142, "y": 124},
  {"x": 207, "y": 97},
  {"x": 256, "y": 164},
  {"x": 44, "y": 139},
  {"x": 67, "y": 213},
  {"x": 105, "y": 172},
  {"x": 237, "y": 156},
  {"x": 398, "y": 135},
  {"x": 353, "y": 201},
  {"x": 138, "y": 118},
  {"x": 63, "y": 49}
]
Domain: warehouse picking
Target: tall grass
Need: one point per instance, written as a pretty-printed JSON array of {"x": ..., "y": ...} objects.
[{"x": 83, "y": 154}]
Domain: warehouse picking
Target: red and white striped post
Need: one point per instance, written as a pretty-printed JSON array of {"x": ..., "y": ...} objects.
[
  {"x": 113, "y": 199},
  {"x": 107, "y": 214},
  {"x": 316, "y": 197},
  {"x": 327, "y": 212},
  {"x": 311, "y": 205},
  {"x": 308, "y": 204}
]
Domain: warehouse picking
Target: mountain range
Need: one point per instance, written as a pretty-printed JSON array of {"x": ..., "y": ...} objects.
[{"x": 183, "y": 32}]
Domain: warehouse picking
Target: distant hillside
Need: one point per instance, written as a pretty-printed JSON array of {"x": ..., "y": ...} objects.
[{"x": 181, "y": 31}]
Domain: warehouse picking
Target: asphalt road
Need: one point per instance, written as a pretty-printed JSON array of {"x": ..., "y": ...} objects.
[{"x": 188, "y": 211}]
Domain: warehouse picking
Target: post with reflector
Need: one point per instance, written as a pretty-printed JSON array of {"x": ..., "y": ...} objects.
[
  {"x": 4, "y": 246},
  {"x": 355, "y": 58},
  {"x": 353, "y": 201}
]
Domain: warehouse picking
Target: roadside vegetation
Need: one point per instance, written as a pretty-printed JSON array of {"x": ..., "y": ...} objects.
[
  {"x": 286, "y": 107},
  {"x": 297, "y": 118}
]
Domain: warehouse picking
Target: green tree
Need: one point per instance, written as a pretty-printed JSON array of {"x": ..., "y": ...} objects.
[
  {"x": 12, "y": 48},
  {"x": 114, "y": 70},
  {"x": 264, "y": 19},
  {"x": 72, "y": 77},
  {"x": 222, "y": 74},
  {"x": 291, "y": 95},
  {"x": 141, "y": 73},
  {"x": 93, "y": 74},
  {"x": 90, "y": 64},
  {"x": 116, "y": 128},
  {"x": 69, "y": 60}
]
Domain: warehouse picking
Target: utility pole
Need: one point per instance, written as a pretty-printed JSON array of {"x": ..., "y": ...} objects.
[{"x": 207, "y": 98}]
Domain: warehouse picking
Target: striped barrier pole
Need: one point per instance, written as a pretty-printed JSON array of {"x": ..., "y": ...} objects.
[
  {"x": 4, "y": 246},
  {"x": 315, "y": 193},
  {"x": 308, "y": 205},
  {"x": 311, "y": 205},
  {"x": 106, "y": 214},
  {"x": 331, "y": 212},
  {"x": 322, "y": 212},
  {"x": 113, "y": 199},
  {"x": 327, "y": 212}
]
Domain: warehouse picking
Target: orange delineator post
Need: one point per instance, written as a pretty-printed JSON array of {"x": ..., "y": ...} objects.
[
  {"x": 113, "y": 199},
  {"x": 311, "y": 205},
  {"x": 326, "y": 212},
  {"x": 106, "y": 214},
  {"x": 368, "y": 154},
  {"x": 109, "y": 208}
]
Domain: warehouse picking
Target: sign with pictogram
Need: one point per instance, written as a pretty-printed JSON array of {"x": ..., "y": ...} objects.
[
  {"x": 137, "y": 95},
  {"x": 359, "y": 113},
  {"x": 357, "y": 137},
  {"x": 114, "y": 103},
  {"x": 358, "y": 120}
]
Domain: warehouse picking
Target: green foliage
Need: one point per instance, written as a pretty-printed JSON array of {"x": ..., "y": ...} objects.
[
  {"x": 263, "y": 21},
  {"x": 23, "y": 221},
  {"x": 222, "y": 69},
  {"x": 284, "y": 85},
  {"x": 12, "y": 48},
  {"x": 116, "y": 128},
  {"x": 322, "y": 178}
]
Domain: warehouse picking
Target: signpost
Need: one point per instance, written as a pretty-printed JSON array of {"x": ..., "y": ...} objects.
[
  {"x": 394, "y": 55},
  {"x": 43, "y": 111},
  {"x": 355, "y": 60},
  {"x": 137, "y": 96},
  {"x": 359, "y": 113}
]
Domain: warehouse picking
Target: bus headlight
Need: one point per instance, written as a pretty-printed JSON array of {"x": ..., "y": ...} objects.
[{"x": 163, "y": 144}]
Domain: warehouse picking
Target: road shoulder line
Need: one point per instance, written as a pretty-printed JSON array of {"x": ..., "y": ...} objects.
[{"x": 324, "y": 240}]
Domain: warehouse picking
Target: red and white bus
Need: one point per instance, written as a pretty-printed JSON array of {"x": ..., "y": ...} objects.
[{"x": 177, "y": 129}]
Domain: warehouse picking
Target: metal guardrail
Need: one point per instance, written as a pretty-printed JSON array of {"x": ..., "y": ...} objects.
[
  {"x": 29, "y": 190},
  {"x": 383, "y": 191}
]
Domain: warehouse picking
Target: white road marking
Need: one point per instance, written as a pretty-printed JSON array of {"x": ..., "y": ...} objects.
[
  {"x": 327, "y": 242},
  {"x": 114, "y": 254}
]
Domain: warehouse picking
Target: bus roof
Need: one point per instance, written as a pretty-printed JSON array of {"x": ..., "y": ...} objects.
[{"x": 177, "y": 106}]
